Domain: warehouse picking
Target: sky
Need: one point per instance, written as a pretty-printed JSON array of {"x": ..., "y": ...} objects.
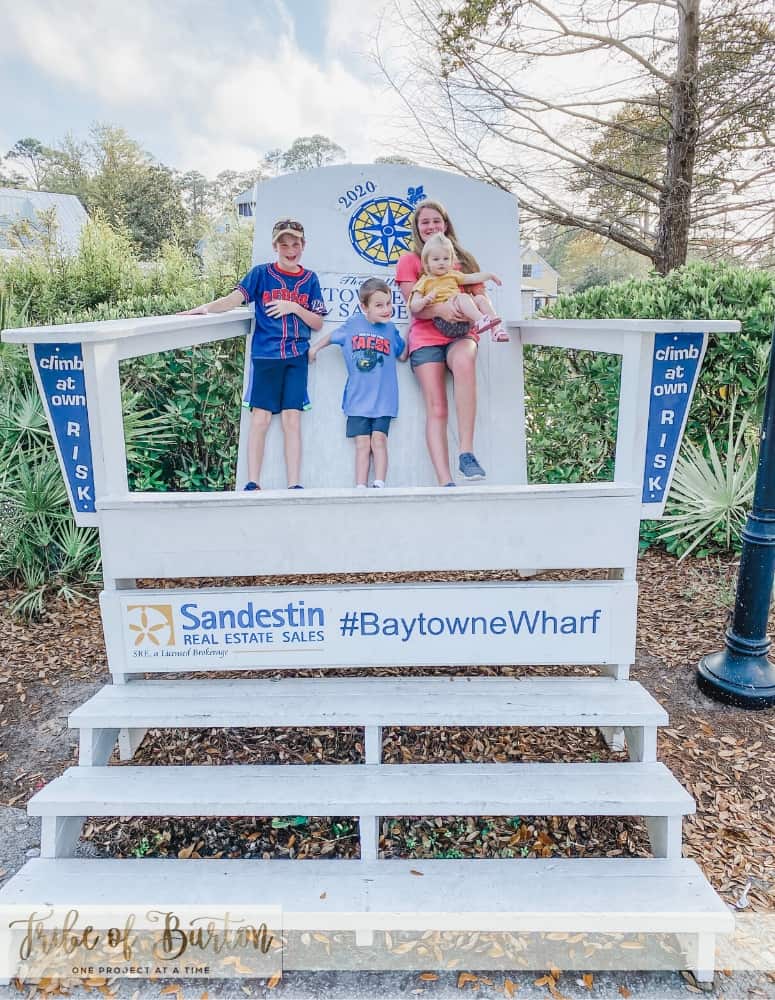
[{"x": 204, "y": 85}]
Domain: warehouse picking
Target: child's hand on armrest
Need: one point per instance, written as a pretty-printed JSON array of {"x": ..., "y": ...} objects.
[{"x": 196, "y": 311}]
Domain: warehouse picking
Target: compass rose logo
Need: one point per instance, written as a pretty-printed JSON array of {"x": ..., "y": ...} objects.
[{"x": 380, "y": 230}]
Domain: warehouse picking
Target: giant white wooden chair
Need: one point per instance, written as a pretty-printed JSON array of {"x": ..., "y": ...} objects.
[{"x": 356, "y": 220}]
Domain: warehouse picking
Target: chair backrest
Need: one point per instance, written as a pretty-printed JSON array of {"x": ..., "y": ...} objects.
[{"x": 357, "y": 223}]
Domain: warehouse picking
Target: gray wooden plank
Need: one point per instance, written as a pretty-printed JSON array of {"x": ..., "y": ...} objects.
[
  {"x": 408, "y": 701},
  {"x": 614, "y": 894},
  {"x": 627, "y": 789}
]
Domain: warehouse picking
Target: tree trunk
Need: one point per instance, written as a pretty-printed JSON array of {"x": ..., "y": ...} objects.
[{"x": 674, "y": 204}]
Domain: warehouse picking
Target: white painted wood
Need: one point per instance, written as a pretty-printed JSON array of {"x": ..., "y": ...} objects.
[
  {"x": 368, "y": 826},
  {"x": 106, "y": 421},
  {"x": 600, "y": 894},
  {"x": 96, "y": 746},
  {"x": 641, "y": 742},
  {"x": 372, "y": 737},
  {"x": 704, "y": 963},
  {"x": 589, "y": 622},
  {"x": 534, "y": 330},
  {"x": 613, "y": 737},
  {"x": 386, "y": 790},
  {"x": 618, "y": 671},
  {"x": 142, "y": 335},
  {"x": 665, "y": 835},
  {"x": 160, "y": 328},
  {"x": 129, "y": 741},
  {"x": 633, "y": 409},
  {"x": 339, "y": 532},
  {"x": 372, "y": 702},
  {"x": 59, "y": 835}
]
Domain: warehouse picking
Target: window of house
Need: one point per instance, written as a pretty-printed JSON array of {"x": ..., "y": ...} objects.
[
  {"x": 527, "y": 270},
  {"x": 245, "y": 208}
]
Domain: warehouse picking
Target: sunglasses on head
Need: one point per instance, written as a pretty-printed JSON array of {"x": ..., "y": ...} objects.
[{"x": 289, "y": 224}]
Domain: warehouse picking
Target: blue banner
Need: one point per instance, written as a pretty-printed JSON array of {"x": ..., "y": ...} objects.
[
  {"x": 673, "y": 374},
  {"x": 60, "y": 368}
]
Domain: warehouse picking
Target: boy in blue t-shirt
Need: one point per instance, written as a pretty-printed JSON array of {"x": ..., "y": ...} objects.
[
  {"x": 370, "y": 344},
  {"x": 289, "y": 306}
]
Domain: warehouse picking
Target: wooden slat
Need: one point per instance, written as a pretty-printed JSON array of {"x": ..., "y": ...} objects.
[
  {"x": 336, "y": 531},
  {"x": 639, "y": 789},
  {"x": 601, "y": 894},
  {"x": 378, "y": 701}
]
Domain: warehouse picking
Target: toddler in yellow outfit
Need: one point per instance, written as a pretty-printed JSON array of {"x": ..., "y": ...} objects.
[{"x": 441, "y": 285}]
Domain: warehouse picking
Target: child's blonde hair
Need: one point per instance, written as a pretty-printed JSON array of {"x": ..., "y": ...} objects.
[{"x": 437, "y": 242}]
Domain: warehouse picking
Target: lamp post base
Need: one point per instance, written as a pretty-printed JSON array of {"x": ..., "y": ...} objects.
[{"x": 742, "y": 681}]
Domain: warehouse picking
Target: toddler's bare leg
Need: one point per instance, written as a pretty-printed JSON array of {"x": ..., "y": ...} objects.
[
  {"x": 484, "y": 304},
  {"x": 362, "y": 456},
  {"x": 380, "y": 452},
  {"x": 468, "y": 307}
]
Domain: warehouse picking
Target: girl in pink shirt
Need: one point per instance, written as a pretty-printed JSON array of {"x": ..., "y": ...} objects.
[{"x": 433, "y": 352}]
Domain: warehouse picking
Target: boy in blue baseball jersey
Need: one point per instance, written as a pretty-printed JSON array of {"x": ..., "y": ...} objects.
[
  {"x": 370, "y": 344},
  {"x": 289, "y": 306}
]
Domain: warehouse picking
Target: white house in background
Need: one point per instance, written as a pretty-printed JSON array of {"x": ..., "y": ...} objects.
[
  {"x": 539, "y": 282},
  {"x": 18, "y": 205},
  {"x": 246, "y": 203}
]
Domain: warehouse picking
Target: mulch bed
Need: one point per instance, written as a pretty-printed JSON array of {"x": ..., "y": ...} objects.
[{"x": 723, "y": 756}]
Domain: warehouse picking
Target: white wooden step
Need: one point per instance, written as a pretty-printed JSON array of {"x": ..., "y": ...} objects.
[
  {"x": 586, "y": 525},
  {"x": 611, "y": 895},
  {"x": 366, "y": 701},
  {"x": 642, "y": 789}
]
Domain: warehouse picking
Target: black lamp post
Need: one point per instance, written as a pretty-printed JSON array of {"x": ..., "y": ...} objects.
[{"x": 742, "y": 674}]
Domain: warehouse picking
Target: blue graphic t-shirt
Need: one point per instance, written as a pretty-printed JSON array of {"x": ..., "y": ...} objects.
[
  {"x": 370, "y": 351},
  {"x": 286, "y": 336}
]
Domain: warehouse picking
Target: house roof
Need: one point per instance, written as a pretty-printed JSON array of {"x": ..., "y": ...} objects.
[
  {"x": 17, "y": 204},
  {"x": 523, "y": 251}
]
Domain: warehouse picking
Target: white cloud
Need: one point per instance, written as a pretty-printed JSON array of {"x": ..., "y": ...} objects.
[{"x": 221, "y": 89}]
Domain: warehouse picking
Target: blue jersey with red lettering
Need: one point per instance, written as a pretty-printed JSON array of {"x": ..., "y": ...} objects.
[
  {"x": 287, "y": 336},
  {"x": 370, "y": 351}
]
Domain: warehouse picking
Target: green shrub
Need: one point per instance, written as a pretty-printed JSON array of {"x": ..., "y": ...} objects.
[
  {"x": 699, "y": 291},
  {"x": 735, "y": 365}
]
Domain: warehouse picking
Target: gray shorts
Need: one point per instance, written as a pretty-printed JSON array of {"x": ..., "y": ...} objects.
[{"x": 433, "y": 353}]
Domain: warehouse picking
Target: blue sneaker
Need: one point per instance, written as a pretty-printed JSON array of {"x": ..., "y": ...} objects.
[
  {"x": 251, "y": 486},
  {"x": 449, "y": 484},
  {"x": 296, "y": 487},
  {"x": 469, "y": 467}
]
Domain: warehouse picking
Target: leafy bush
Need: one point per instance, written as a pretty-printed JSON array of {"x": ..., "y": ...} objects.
[
  {"x": 169, "y": 444},
  {"x": 699, "y": 291},
  {"x": 735, "y": 366},
  {"x": 571, "y": 402}
]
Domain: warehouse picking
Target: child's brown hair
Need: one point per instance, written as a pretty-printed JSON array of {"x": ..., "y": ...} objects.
[{"x": 369, "y": 287}]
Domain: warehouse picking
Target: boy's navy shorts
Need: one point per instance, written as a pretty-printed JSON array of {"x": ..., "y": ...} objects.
[
  {"x": 358, "y": 426},
  {"x": 279, "y": 383}
]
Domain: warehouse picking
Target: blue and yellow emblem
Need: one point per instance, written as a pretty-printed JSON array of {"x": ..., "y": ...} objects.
[{"x": 380, "y": 230}]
